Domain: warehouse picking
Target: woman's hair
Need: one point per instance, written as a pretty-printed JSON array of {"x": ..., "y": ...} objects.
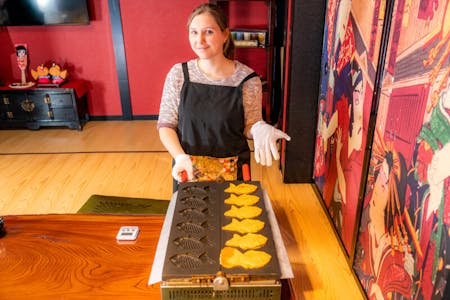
[
  {"x": 356, "y": 78},
  {"x": 21, "y": 47},
  {"x": 221, "y": 20},
  {"x": 397, "y": 179}
]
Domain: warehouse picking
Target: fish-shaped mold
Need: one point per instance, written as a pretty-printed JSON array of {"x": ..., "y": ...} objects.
[
  {"x": 194, "y": 213},
  {"x": 195, "y": 201},
  {"x": 191, "y": 261},
  {"x": 191, "y": 243},
  {"x": 193, "y": 227},
  {"x": 196, "y": 189}
]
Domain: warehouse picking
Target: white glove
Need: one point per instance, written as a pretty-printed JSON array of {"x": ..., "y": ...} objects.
[
  {"x": 265, "y": 139},
  {"x": 182, "y": 163}
]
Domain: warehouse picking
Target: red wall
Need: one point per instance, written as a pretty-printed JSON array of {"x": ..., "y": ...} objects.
[
  {"x": 155, "y": 37},
  {"x": 86, "y": 51}
]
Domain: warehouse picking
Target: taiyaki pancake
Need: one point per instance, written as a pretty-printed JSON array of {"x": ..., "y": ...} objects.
[
  {"x": 244, "y": 212},
  {"x": 247, "y": 242},
  {"x": 242, "y": 200},
  {"x": 253, "y": 259},
  {"x": 244, "y": 226},
  {"x": 242, "y": 188}
]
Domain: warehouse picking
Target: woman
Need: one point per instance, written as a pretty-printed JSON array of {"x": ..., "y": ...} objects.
[
  {"x": 212, "y": 104},
  {"x": 384, "y": 261}
]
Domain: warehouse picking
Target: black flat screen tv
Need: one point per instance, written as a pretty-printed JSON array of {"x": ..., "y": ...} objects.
[{"x": 43, "y": 12}]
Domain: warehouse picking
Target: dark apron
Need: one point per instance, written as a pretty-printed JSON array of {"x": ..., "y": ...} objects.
[{"x": 211, "y": 120}]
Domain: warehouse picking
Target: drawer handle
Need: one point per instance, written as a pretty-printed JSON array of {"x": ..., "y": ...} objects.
[
  {"x": 27, "y": 105},
  {"x": 10, "y": 114},
  {"x": 5, "y": 100}
]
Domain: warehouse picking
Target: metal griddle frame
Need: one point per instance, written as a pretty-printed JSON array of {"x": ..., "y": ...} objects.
[{"x": 212, "y": 280}]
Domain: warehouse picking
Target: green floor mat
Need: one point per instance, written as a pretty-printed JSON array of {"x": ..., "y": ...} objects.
[{"x": 100, "y": 204}]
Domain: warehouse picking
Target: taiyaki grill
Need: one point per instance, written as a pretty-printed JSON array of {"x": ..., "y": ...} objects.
[{"x": 221, "y": 243}]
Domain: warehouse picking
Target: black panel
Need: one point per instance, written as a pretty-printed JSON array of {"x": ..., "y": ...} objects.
[
  {"x": 121, "y": 63},
  {"x": 303, "y": 81},
  {"x": 36, "y": 12}
]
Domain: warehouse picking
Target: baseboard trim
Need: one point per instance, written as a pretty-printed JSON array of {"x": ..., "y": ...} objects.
[{"x": 121, "y": 118}]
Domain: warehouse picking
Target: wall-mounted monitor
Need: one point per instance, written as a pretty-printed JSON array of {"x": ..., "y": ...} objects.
[{"x": 43, "y": 12}]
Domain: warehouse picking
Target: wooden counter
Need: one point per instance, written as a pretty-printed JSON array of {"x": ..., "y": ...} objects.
[{"x": 77, "y": 257}]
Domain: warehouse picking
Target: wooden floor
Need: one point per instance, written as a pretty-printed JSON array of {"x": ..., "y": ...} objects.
[{"x": 56, "y": 170}]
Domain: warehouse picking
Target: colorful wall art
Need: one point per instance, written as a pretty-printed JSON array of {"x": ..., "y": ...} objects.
[
  {"x": 403, "y": 244},
  {"x": 382, "y": 158},
  {"x": 352, "y": 37}
]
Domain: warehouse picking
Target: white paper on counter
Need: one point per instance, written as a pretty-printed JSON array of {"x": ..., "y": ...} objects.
[
  {"x": 160, "y": 254},
  {"x": 283, "y": 258}
]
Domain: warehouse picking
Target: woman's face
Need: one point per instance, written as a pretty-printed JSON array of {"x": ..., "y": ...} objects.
[
  {"x": 358, "y": 105},
  {"x": 380, "y": 193},
  {"x": 21, "y": 53},
  {"x": 206, "y": 37}
]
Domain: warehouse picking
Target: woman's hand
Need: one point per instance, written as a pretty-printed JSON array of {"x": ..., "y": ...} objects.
[
  {"x": 265, "y": 139},
  {"x": 182, "y": 164}
]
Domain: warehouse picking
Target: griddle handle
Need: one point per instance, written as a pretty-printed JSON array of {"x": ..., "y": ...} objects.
[
  {"x": 184, "y": 176},
  {"x": 246, "y": 172}
]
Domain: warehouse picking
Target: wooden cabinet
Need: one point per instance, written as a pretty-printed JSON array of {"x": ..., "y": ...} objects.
[
  {"x": 38, "y": 107},
  {"x": 252, "y": 24}
]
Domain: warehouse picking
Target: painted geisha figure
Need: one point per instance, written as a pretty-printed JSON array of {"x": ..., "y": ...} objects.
[
  {"x": 349, "y": 142},
  {"x": 383, "y": 260},
  {"x": 430, "y": 202},
  {"x": 338, "y": 49},
  {"x": 22, "y": 60},
  {"x": 21, "y": 52},
  {"x": 342, "y": 136},
  {"x": 430, "y": 181},
  {"x": 319, "y": 155}
]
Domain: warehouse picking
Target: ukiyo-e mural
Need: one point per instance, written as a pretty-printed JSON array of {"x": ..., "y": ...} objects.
[
  {"x": 350, "y": 54},
  {"x": 403, "y": 246}
]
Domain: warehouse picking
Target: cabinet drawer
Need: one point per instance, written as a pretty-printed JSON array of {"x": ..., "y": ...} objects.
[
  {"x": 64, "y": 114},
  {"x": 17, "y": 106},
  {"x": 60, "y": 100}
]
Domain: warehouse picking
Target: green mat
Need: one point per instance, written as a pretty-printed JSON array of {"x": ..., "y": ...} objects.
[{"x": 100, "y": 204}]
